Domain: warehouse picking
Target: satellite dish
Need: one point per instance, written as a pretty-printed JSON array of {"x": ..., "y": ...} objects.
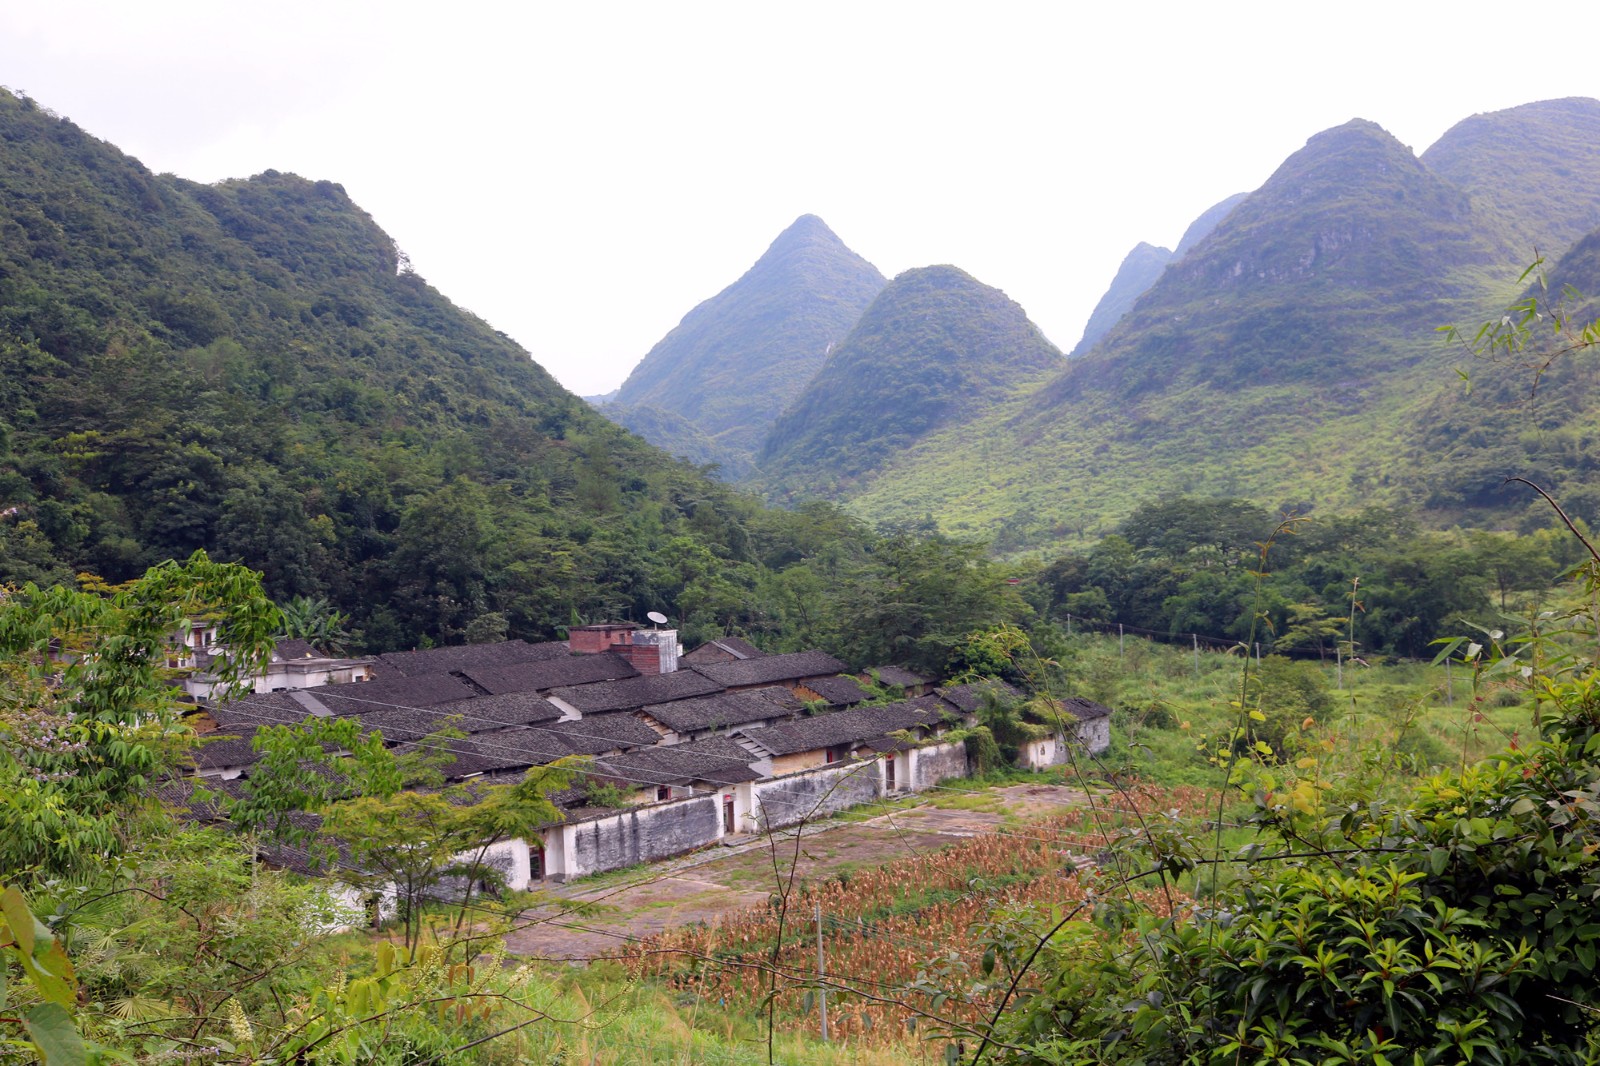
[{"x": 657, "y": 617}]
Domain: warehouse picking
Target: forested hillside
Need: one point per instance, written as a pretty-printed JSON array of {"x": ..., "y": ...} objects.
[
  {"x": 1533, "y": 173},
  {"x": 935, "y": 349},
  {"x": 253, "y": 368}
]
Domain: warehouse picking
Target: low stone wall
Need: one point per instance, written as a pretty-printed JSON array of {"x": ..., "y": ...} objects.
[
  {"x": 643, "y": 834},
  {"x": 790, "y": 800}
]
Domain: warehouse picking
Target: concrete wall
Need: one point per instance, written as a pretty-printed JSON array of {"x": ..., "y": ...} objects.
[
  {"x": 784, "y": 801},
  {"x": 661, "y": 830},
  {"x": 937, "y": 762},
  {"x": 640, "y": 835}
]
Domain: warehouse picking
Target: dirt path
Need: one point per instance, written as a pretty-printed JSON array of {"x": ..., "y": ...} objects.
[{"x": 716, "y": 881}]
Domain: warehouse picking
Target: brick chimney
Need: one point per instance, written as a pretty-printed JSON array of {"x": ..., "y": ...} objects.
[{"x": 649, "y": 651}]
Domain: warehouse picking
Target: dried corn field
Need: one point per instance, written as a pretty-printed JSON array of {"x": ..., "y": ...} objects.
[{"x": 897, "y": 936}]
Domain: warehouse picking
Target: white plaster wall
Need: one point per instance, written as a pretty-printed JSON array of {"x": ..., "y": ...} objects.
[{"x": 936, "y": 762}]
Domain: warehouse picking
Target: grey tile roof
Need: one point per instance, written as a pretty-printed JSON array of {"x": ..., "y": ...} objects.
[
  {"x": 287, "y": 650},
  {"x": 969, "y": 697},
  {"x": 467, "y": 656},
  {"x": 771, "y": 669},
  {"x": 515, "y": 749},
  {"x": 846, "y": 727},
  {"x": 257, "y": 708},
  {"x": 724, "y": 648},
  {"x": 637, "y": 692},
  {"x": 180, "y": 794},
  {"x": 838, "y": 691},
  {"x": 725, "y": 709},
  {"x": 547, "y": 674},
  {"x": 401, "y": 724},
  {"x": 1084, "y": 710},
  {"x": 898, "y": 676},
  {"x": 427, "y": 690},
  {"x": 224, "y": 751},
  {"x": 481, "y": 714},
  {"x": 600, "y": 733},
  {"x": 716, "y": 760}
]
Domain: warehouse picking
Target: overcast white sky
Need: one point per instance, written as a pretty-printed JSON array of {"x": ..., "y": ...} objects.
[{"x": 582, "y": 174}]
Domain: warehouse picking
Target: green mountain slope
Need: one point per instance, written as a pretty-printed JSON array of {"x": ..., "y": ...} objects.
[
  {"x": 252, "y": 369},
  {"x": 1140, "y": 269},
  {"x": 1284, "y": 358},
  {"x": 935, "y": 349},
  {"x": 1533, "y": 172},
  {"x": 738, "y": 359},
  {"x": 1209, "y": 220},
  {"x": 1534, "y": 413},
  {"x": 676, "y": 435}
]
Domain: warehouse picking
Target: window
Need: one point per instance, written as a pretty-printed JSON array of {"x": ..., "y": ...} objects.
[{"x": 664, "y": 792}]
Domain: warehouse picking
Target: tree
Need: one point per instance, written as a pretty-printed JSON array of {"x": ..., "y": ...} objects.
[
  {"x": 316, "y": 622},
  {"x": 414, "y": 842},
  {"x": 88, "y": 718}
]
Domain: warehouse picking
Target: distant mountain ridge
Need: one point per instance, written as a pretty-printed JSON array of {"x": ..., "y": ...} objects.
[
  {"x": 936, "y": 348},
  {"x": 1140, "y": 269},
  {"x": 739, "y": 358},
  {"x": 1292, "y": 355}
]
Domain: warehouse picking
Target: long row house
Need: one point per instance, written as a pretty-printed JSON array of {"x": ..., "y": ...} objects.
[{"x": 704, "y": 748}]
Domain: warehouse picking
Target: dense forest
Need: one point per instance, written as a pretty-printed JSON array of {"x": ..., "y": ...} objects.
[{"x": 252, "y": 368}]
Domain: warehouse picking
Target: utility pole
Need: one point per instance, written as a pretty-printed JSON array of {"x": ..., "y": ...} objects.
[{"x": 822, "y": 992}]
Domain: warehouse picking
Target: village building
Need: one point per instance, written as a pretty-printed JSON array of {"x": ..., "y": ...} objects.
[
  {"x": 898, "y": 677},
  {"x": 701, "y": 751},
  {"x": 723, "y": 650},
  {"x": 791, "y": 670}
]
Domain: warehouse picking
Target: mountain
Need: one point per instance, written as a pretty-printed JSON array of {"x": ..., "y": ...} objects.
[
  {"x": 1533, "y": 173},
  {"x": 253, "y": 369},
  {"x": 738, "y": 359},
  {"x": 1209, "y": 220},
  {"x": 1290, "y": 356},
  {"x": 935, "y": 349},
  {"x": 1139, "y": 271},
  {"x": 676, "y": 435},
  {"x": 1351, "y": 244},
  {"x": 1534, "y": 413}
]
